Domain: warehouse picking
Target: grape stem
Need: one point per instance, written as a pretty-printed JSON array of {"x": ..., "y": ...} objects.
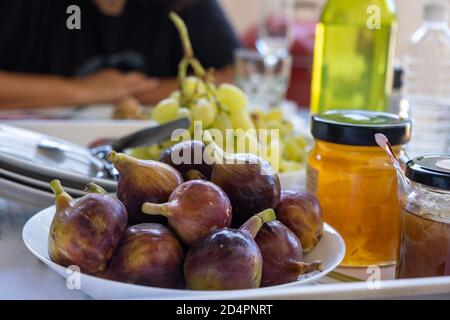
[{"x": 189, "y": 60}]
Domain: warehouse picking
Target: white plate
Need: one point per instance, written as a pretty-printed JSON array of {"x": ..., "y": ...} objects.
[
  {"x": 330, "y": 250},
  {"x": 24, "y": 195}
]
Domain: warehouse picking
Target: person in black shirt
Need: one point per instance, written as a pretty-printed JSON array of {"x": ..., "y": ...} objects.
[{"x": 123, "y": 47}]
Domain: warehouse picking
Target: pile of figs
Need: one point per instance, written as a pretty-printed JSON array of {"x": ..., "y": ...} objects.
[{"x": 212, "y": 225}]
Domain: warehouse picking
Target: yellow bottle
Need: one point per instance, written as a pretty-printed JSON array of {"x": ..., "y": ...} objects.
[{"x": 354, "y": 53}]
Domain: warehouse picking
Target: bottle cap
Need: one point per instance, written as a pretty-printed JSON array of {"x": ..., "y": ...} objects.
[{"x": 435, "y": 12}]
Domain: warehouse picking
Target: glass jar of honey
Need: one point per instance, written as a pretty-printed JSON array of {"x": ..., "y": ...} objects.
[
  {"x": 355, "y": 183},
  {"x": 425, "y": 241}
]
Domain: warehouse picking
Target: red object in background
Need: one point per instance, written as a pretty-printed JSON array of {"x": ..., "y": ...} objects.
[{"x": 302, "y": 60}]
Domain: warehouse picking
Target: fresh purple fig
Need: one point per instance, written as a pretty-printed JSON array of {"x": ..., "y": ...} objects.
[
  {"x": 85, "y": 232},
  {"x": 148, "y": 255},
  {"x": 282, "y": 255},
  {"x": 143, "y": 181},
  {"x": 249, "y": 181},
  {"x": 301, "y": 213},
  {"x": 194, "y": 209},
  {"x": 227, "y": 259},
  {"x": 187, "y": 158}
]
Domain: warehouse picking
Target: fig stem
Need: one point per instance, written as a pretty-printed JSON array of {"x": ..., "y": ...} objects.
[
  {"x": 254, "y": 224},
  {"x": 303, "y": 267},
  {"x": 62, "y": 199},
  {"x": 213, "y": 150},
  {"x": 153, "y": 209},
  {"x": 56, "y": 187},
  {"x": 93, "y": 188},
  {"x": 114, "y": 157}
]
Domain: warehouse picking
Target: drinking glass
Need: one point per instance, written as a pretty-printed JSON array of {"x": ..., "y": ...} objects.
[
  {"x": 275, "y": 27},
  {"x": 265, "y": 85}
]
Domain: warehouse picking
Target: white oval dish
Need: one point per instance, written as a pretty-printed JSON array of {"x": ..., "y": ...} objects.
[{"x": 330, "y": 250}]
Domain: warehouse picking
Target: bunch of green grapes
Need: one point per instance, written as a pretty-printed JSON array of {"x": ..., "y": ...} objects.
[
  {"x": 290, "y": 148},
  {"x": 224, "y": 107}
]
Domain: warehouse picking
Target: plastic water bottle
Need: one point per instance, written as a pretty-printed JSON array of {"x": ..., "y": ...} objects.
[{"x": 427, "y": 83}]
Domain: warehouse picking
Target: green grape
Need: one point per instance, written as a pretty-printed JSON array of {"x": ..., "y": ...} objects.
[
  {"x": 290, "y": 166},
  {"x": 154, "y": 152},
  {"x": 232, "y": 98},
  {"x": 285, "y": 127},
  {"x": 145, "y": 153},
  {"x": 292, "y": 150},
  {"x": 184, "y": 113},
  {"x": 274, "y": 114},
  {"x": 274, "y": 153},
  {"x": 167, "y": 144},
  {"x": 242, "y": 120},
  {"x": 246, "y": 142},
  {"x": 193, "y": 88},
  {"x": 166, "y": 111},
  {"x": 204, "y": 111},
  {"x": 301, "y": 141},
  {"x": 175, "y": 95},
  {"x": 257, "y": 117},
  {"x": 222, "y": 123}
]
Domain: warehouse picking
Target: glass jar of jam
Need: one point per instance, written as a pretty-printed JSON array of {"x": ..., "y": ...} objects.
[
  {"x": 355, "y": 183},
  {"x": 425, "y": 241}
]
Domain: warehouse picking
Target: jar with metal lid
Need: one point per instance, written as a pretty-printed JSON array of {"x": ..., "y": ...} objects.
[
  {"x": 355, "y": 183},
  {"x": 425, "y": 241}
]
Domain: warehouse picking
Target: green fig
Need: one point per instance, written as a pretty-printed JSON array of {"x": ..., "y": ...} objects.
[
  {"x": 143, "y": 181},
  {"x": 227, "y": 259},
  {"x": 85, "y": 232}
]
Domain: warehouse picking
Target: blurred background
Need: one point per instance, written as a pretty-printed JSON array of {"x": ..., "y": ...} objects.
[{"x": 244, "y": 14}]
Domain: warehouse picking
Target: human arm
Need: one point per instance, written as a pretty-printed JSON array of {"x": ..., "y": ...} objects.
[{"x": 19, "y": 90}]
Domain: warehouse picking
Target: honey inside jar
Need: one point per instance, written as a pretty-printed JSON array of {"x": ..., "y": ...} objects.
[
  {"x": 425, "y": 247},
  {"x": 357, "y": 189},
  {"x": 425, "y": 241},
  {"x": 356, "y": 184}
]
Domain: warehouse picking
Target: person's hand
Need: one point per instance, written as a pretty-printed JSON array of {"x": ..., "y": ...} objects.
[{"x": 109, "y": 86}]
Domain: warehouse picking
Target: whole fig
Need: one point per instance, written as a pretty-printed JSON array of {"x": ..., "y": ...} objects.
[
  {"x": 249, "y": 181},
  {"x": 282, "y": 255},
  {"x": 227, "y": 259},
  {"x": 85, "y": 232},
  {"x": 187, "y": 158},
  {"x": 143, "y": 181},
  {"x": 194, "y": 208},
  {"x": 301, "y": 213},
  {"x": 148, "y": 255}
]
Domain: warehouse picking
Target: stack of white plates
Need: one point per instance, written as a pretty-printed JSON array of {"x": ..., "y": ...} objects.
[{"x": 29, "y": 161}]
